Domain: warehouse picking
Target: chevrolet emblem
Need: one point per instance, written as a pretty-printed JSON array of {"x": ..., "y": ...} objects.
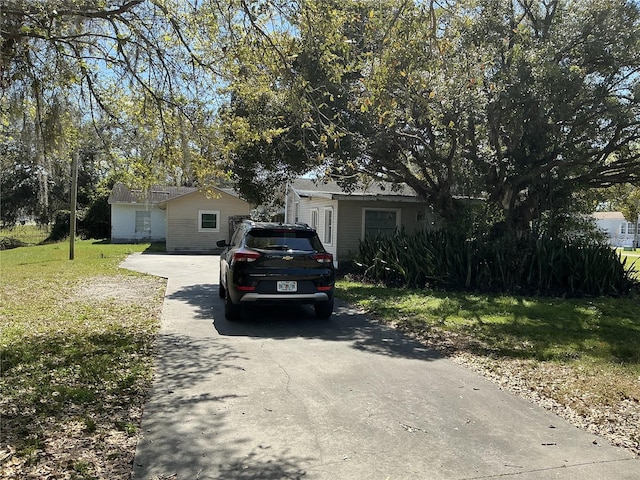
[{"x": 287, "y": 258}]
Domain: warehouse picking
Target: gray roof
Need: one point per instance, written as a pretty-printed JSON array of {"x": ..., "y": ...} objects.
[
  {"x": 305, "y": 187},
  {"x": 608, "y": 215},
  {"x": 154, "y": 195}
]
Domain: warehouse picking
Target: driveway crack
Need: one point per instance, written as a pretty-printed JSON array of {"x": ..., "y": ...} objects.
[
  {"x": 287, "y": 381},
  {"x": 299, "y": 401}
]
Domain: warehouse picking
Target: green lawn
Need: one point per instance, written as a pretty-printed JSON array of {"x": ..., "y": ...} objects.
[
  {"x": 600, "y": 330},
  {"x": 76, "y": 360},
  {"x": 632, "y": 260}
]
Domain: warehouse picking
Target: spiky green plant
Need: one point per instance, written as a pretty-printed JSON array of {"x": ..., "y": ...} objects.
[{"x": 536, "y": 264}]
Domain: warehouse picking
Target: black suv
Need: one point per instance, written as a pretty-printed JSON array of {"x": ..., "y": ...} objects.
[{"x": 275, "y": 263}]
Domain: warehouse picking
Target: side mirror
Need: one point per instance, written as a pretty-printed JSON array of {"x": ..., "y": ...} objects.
[{"x": 222, "y": 243}]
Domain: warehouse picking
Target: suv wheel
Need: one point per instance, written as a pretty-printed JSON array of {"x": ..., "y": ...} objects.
[
  {"x": 324, "y": 310},
  {"x": 221, "y": 290},
  {"x": 231, "y": 310}
]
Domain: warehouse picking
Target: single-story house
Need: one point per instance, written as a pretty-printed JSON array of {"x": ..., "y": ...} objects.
[
  {"x": 184, "y": 218},
  {"x": 621, "y": 232},
  {"x": 342, "y": 219}
]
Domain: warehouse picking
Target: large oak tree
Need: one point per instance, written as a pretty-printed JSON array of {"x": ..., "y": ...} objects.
[{"x": 523, "y": 102}]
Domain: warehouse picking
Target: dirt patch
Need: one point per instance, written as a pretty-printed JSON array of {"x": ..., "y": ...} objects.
[{"x": 123, "y": 289}]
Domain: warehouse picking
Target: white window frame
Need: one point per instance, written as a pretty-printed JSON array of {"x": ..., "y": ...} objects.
[
  {"x": 328, "y": 223},
  {"x": 315, "y": 215},
  {"x": 398, "y": 212},
  {"x": 143, "y": 217},
  {"x": 627, "y": 228},
  {"x": 296, "y": 211},
  {"x": 208, "y": 212}
]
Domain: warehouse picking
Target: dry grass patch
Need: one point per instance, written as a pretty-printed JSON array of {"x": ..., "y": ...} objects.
[{"x": 77, "y": 349}]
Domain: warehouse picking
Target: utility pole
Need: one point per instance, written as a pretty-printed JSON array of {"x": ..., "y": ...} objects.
[{"x": 74, "y": 199}]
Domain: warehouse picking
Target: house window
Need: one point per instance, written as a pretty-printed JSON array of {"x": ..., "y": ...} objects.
[
  {"x": 143, "y": 221},
  {"x": 627, "y": 228},
  {"x": 296, "y": 207},
  {"x": 314, "y": 218},
  {"x": 208, "y": 221},
  {"x": 380, "y": 222},
  {"x": 328, "y": 226}
]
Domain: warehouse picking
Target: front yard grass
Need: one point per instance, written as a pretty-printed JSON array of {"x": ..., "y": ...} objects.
[
  {"x": 581, "y": 356},
  {"x": 632, "y": 259},
  {"x": 76, "y": 352}
]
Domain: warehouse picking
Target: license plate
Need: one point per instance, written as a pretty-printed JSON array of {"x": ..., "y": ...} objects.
[{"x": 288, "y": 286}]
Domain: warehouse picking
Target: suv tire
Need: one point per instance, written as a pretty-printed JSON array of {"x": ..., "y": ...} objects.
[
  {"x": 324, "y": 310},
  {"x": 231, "y": 310},
  {"x": 221, "y": 289}
]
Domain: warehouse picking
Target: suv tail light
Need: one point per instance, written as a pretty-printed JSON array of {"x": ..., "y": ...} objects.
[
  {"x": 245, "y": 256},
  {"x": 323, "y": 257}
]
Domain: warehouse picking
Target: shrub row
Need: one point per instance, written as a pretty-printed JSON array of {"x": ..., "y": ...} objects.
[{"x": 532, "y": 265}]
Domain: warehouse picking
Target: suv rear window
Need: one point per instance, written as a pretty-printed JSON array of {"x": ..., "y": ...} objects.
[{"x": 283, "y": 240}]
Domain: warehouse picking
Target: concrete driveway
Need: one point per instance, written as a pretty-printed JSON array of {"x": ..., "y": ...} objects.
[{"x": 282, "y": 395}]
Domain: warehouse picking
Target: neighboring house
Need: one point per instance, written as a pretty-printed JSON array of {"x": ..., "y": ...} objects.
[
  {"x": 183, "y": 217},
  {"x": 621, "y": 232},
  {"x": 344, "y": 219}
]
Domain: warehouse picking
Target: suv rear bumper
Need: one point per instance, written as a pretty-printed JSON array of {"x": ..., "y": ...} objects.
[{"x": 285, "y": 297}]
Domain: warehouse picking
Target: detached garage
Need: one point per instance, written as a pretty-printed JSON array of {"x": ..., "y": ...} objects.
[{"x": 184, "y": 218}]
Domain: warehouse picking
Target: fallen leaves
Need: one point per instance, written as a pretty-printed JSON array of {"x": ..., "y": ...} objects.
[
  {"x": 75, "y": 391},
  {"x": 557, "y": 388}
]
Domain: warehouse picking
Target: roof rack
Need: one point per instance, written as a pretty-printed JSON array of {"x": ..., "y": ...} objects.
[{"x": 280, "y": 224}]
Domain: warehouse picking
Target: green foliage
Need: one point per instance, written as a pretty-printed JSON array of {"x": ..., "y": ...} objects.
[
  {"x": 538, "y": 265},
  {"x": 95, "y": 221},
  {"x": 523, "y": 103},
  {"x": 261, "y": 152},
  {"x": 61, "y": 226},
  {"x": 19, "y": 189},
  {"x": 130, "y": 86}
]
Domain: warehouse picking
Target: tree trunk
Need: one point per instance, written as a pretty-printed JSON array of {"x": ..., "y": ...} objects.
[{"x": 72, "y": 209}]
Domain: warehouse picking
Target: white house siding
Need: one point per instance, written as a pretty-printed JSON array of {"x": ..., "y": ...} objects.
[
  {"x": 123, "y": 224},
  {"x": 611, "y": 223},
  {"x": 183, "y": 234},
  {"x": 299, "y": 210}
]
